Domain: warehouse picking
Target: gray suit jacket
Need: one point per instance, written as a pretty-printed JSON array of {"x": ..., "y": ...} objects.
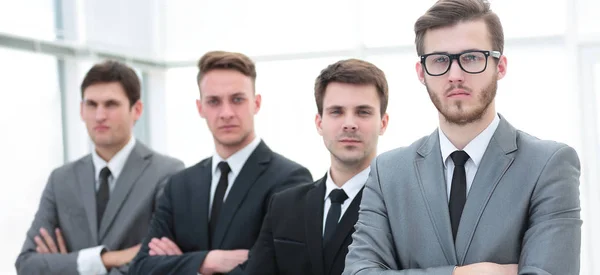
[
  {"x": 523, "y": 207},
  {"x": 69, "y": 203}
]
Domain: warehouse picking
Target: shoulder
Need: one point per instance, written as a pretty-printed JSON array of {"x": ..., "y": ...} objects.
[{"x": 542, "y": 150}]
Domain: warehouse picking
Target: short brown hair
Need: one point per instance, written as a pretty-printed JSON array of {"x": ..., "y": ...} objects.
[
  {"x": 446, "y": 13},
  {"x": 114, "y": 71},
  {"x": 352, "y": 71},
  {"x": 215, "y": 60}
]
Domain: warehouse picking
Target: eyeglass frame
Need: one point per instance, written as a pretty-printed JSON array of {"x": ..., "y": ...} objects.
[{"x": 452, "y": 57}]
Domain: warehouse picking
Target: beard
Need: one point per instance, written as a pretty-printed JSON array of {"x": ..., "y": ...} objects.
[{"x": 456, "y": 112}]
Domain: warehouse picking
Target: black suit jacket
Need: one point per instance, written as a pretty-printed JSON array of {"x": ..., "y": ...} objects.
[
  {"x": 291, "y": 238},
  {"x": 182, "y": 213}
]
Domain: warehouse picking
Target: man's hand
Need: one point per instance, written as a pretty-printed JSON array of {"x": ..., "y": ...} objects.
[
  {"x": 46, "y": 245},
  {"x": 118, "y": 258},
  {"x": 487, "y": 269},
  {"x": 223, "y": 261},
  {"x": 163, "y": 247}
]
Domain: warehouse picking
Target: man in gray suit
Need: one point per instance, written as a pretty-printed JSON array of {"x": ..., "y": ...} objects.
[
  {"x": 477, "y": 196},
  {"x": 95, "y": 211}
]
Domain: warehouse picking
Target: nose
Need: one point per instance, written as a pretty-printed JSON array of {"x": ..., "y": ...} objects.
[
  {"x": 100, "y": 113},
  {"x": 455, "y": 74},
  {"x": 226, "y": 111},
  {"x": 350, "y": 124}
]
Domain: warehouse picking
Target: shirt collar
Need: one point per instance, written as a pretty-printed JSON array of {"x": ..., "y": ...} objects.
[
  {"x": 351, "y": 187},
  {"x": 238, "y": 159},
  {"x": 475, "y": 148},
  {"x": 116, "y": 163}
]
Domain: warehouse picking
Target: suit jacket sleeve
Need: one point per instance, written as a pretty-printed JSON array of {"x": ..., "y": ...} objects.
[
  {"x": 552, "y": 242},
  {"x": 162, "y": 226},
  {"x": 31, "y": 262},
  {"x": 372, "y": 250},
  {"x": 175, "y": 167},
  {"x": 261, "y": 259}
]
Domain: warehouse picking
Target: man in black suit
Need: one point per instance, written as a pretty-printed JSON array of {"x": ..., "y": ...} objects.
[
  {"x": 308, "y": 228},
  {"x": 211, "y": 213}
]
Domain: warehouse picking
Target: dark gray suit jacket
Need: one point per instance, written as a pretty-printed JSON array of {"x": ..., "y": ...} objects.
[
  {"x": 523, "y": 207},
  {"x": 182, "y": 213},
  {"x": 291, "y": 238},
  {"x": 69, "y": 203}
]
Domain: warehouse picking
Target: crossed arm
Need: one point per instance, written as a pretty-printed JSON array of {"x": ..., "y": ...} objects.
[
  {"x": 45, "y": 250},
  {"x": 554, "y": 218}
]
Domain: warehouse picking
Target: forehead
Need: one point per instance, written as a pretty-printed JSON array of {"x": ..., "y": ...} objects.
[
  {"x": 350, "y": 95},
  {"x": 105, "y": 91},
  {"x": 225, "y": 82},
  {"x": 459, "y": 37}
]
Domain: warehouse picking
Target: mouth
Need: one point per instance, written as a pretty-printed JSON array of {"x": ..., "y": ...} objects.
[
  {"x": 349, "y": 141},
  {"x": 101, "y": 128},
  {"x": 458, "y": 93},
  {"x": 227, "y": 127}
]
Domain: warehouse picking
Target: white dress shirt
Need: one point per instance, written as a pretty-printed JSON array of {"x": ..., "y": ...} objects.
[
  {"x": 351, "y": 187},
  {"x": 476, "y": 148},
  {"x": 235, "y": 162},
  {"x": 89, "y": 260}
]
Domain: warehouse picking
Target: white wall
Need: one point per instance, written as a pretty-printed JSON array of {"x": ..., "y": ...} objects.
[
  {"x": 549, "y": 91},
  {"x": 31, "y": 143}
]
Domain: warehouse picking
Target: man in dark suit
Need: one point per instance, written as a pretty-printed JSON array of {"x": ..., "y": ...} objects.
[
  {"x": 95, "y": 211},
  {"x": 211, "y": 213},
  {"x": 308, "y": 228}
]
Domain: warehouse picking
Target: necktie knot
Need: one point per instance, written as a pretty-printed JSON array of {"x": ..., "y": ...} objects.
[
  {"x": 104, "y": 173},
  {"x": 338, "y": 196},
  {"x": 459, "y": 158},
  {"x": 224, "y": 167}
]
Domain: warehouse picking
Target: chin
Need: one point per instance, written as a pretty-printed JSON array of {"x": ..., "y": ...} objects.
[{"x": 230, "y": 141}]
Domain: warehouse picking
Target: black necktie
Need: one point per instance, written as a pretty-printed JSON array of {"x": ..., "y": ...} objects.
[
  {"x": 337, "y": 197},
  {"x": 102, "y": 195},
  {"x": 219, "y": 195},
  {"x": 458, "y": 191}
]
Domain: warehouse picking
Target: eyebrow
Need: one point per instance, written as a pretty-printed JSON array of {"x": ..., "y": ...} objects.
[
  {"x": 464, "y": 51},
  {"x": 333, "y": 107},
  {"x": 232, "y": 95},
  {"x": 365, "y": 107},
  {"x": 238, "y": 94},
  {"x": 91, "y": 101}
]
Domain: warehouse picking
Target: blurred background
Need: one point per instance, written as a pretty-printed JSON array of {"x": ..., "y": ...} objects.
[{"x": 552, "y": 89}]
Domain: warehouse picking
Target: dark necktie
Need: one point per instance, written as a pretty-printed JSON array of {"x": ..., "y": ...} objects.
[
  {"x": 337, "y": 197},
  {"x": 458, "y": 191},
  {"x": 219, "y": 196},
  {"x": 102, "y": 195}
]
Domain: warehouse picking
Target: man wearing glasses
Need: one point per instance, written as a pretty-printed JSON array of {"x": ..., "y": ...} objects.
[{"x": 477, "y": 196}]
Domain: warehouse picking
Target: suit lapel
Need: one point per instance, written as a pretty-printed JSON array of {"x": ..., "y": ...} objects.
[
  {"x": 254, "y": 166},
  {"x": 344, "y": 228},
  {"x": 136, "y": 163},
  {"x": 86, "y": 181},
  {"x": 494, "y": 164},
  {"x": 201, "y": 176},
  {"x": 430, "y": 174},
  {"x": 313, "y": 215}
]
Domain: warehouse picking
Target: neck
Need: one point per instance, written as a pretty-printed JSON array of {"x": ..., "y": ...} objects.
[
  {"x": 461, "y": 135},
  {"x": 225, "y": 151},
  {"x": 342, "y": 173},
  {"x": 108, "y": 152}
]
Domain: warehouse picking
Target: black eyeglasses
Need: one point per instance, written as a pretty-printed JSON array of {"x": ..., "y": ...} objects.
[{"x": 472, "y": 62}]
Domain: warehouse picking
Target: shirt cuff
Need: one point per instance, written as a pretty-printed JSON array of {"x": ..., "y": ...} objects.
[{"x": 89, "y": 261}]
